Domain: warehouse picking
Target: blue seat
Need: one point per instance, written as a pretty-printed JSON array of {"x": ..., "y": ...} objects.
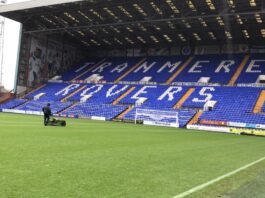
[{"x": 12, "y": 103}]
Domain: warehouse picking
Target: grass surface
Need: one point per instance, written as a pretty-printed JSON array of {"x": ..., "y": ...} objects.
[{"x": 106, "y": 159}]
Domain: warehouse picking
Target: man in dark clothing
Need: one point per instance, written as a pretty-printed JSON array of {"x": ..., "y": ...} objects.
[{"x": 47, "y": 113}]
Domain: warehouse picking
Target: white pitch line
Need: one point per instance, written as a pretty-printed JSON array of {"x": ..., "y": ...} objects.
[{"x": 197, "y": 188}]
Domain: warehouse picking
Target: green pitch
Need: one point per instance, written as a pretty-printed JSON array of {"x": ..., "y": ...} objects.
[{"x": 105, "y": 159}]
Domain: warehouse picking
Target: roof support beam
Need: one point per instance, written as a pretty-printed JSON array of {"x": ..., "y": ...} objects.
[{"x": 151, "y": 21}]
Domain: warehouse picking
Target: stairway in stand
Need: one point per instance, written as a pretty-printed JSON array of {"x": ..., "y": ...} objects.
[
  {"x": 260, "y": 102},
  {"x": 184, "y": 98}
]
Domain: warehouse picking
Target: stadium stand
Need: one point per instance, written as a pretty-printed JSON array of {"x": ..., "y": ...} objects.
[{"x": 145, "y": 86}]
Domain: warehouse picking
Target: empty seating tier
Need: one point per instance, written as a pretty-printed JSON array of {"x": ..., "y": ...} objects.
[{"x": 178, "y": 83}]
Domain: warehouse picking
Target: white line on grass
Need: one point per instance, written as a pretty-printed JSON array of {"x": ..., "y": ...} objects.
[{"x": 197, "y": 188}]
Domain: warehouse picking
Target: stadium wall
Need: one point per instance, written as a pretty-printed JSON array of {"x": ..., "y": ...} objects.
[{"x": 42, "y": 58}]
